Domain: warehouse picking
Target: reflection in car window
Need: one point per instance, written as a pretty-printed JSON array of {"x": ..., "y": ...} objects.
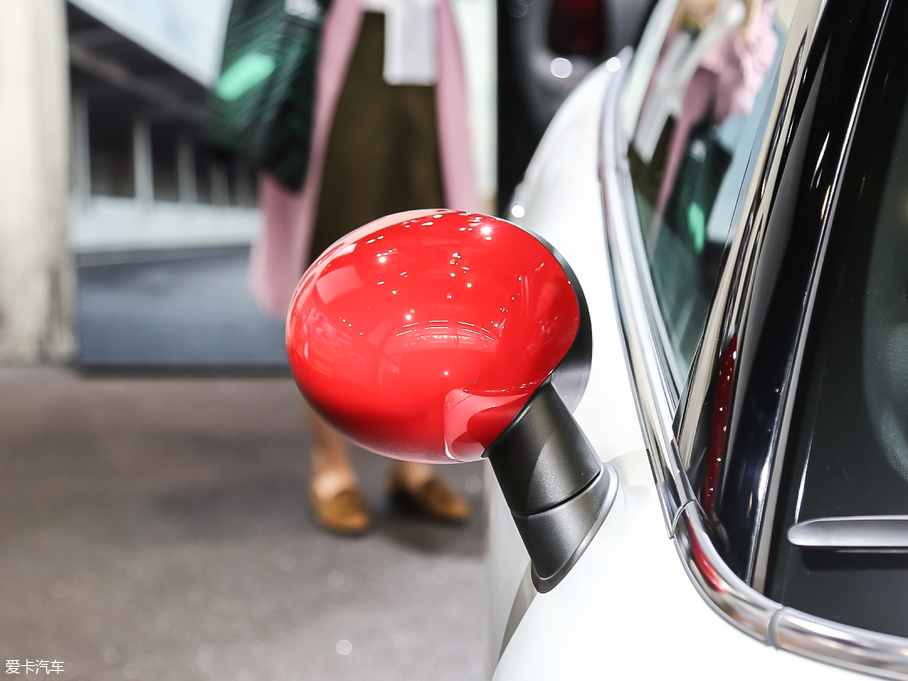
[
  {"x": 689, "y": 153},
  {"x": 848, "y": 450}
]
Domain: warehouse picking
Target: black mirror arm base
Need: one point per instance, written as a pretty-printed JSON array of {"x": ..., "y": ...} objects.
[{"x": 558, "y": 490}]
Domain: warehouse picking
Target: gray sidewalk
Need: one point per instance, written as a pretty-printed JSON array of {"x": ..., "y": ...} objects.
[{"x": 157, "y": 528}]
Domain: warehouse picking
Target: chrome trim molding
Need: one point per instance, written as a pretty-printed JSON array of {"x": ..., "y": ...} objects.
[
  {"x": 870, "y": 533},
  {"x": 655, "y": 413},
  {"x": 856, "y": 649},
  {"x": 749, "y": 610},
  {"x": 727, "y": 594}
]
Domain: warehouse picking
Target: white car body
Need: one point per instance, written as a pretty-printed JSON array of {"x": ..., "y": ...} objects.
[{"x": 628, "y": 609}]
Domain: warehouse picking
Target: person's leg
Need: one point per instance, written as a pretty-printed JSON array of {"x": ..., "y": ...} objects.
[
  {"x": 417, "y": 486},
  {"x": 415, "y": 167},
  {"x": 382, "y": 158},
  {"x": 331, "y": 469},
  {"x": 351, "y": 182},
  {"x": 335, "y": 494}
]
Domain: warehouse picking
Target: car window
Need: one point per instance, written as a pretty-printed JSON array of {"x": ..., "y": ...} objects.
[
  {"x": 688, "y": 156},
  {"x": 848, "y": 452}
]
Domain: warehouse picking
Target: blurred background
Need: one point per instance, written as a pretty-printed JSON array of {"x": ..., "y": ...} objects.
[{"x": 154, "y": 522}]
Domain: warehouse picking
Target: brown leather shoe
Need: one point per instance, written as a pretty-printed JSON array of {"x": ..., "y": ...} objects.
[
  {"x": 433, "y": 499},
  {"x": 344, "y": 512}
]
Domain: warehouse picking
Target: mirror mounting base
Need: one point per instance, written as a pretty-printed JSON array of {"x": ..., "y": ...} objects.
[{"x": 558, "y": 490}]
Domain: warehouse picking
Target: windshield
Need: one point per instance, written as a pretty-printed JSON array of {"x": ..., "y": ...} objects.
[
  {"x": 688, "y": 156},
  {"x": 848, "y": 450}
]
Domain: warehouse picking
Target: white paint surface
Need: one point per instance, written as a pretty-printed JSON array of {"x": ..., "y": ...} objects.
[{"x": 627, "y": 610}]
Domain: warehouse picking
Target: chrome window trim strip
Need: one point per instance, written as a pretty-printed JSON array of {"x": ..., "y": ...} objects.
[
  {"x": 728, "y": 595},
  {"x": 656, "y": 413}
]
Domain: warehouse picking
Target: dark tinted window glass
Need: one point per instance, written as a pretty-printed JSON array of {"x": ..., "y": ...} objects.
[
  {"x": 164, "y": 159},
  {"x": 848, "y": 452},
  {"x": 690, "y": 149},
  {"x": 110, "y": 135}
]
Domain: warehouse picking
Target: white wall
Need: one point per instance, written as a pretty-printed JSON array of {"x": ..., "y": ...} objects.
[{"x": 35, "y": 270}]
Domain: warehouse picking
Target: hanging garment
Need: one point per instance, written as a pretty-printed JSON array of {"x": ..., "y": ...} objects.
[{"x": 284, "y": 246}]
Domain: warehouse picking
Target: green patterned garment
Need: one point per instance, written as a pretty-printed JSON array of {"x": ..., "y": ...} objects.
[{"x": 262, "y": 105}]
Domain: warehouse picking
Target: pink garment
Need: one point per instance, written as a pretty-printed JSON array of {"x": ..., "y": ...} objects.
[
  {"x": 726, "y": 82},
  {"x": 281, "y": 251}
]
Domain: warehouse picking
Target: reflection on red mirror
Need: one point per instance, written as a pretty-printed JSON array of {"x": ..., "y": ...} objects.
[{"x": 421, "y": 335}]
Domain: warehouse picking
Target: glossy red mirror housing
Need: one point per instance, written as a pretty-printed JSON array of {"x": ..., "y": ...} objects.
[{"x": 421, "y": 335}]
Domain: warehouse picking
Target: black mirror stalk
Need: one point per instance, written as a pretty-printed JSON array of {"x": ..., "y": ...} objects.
[{"x": 558, "y": 490}]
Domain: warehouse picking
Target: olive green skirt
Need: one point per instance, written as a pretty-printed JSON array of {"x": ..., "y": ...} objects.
[{"x": 382, "y": 154}]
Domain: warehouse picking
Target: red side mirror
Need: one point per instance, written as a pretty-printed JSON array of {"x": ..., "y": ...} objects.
[{"x": 446, "y": 336}]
